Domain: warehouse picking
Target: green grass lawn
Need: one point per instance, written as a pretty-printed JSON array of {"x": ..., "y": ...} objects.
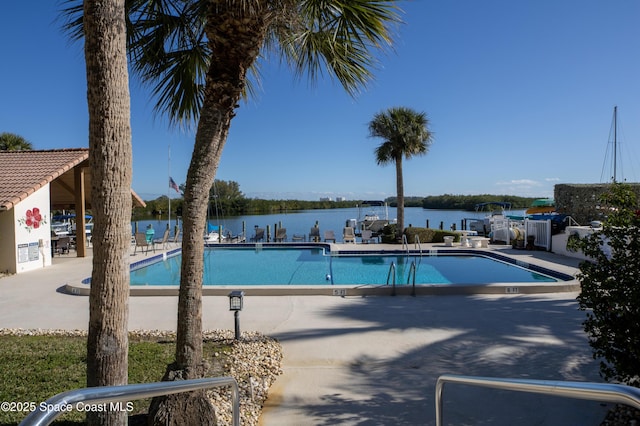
[{"x": 36, "y": 368}]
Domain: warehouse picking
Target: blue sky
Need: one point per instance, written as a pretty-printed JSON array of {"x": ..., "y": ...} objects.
[{"x": 520, "y": 96}]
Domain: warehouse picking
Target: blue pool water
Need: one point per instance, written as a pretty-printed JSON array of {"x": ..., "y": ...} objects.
[{"x": 315, "y": 266}]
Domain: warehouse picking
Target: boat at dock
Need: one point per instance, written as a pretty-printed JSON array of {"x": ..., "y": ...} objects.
[
  {"x": 373, "y": 215},
  {"x": 493, "y": 211}
]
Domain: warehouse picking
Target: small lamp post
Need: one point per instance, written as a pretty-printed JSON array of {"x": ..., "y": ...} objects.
[{"x": 235, "y": 305}]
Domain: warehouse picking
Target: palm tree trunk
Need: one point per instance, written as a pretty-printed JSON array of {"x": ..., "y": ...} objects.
[
  {"x": 111, "y": 162},
  {"x": 400, "y": 196},
  {"x": 236, "y": 38}
]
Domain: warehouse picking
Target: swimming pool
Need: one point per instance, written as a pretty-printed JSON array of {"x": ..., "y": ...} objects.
[{"x": 313, "y": 266}]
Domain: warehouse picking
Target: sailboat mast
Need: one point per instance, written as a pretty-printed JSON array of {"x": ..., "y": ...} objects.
[
  {"x": 168, "y": 180},
  {"x": 615, "y": 142}
]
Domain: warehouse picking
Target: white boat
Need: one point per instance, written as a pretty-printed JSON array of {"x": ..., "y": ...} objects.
[
  {"x": 372, "y": 216},
  {"x": 214, "y": 234},
  {"x": 213, "y": 237},
  {"x": 493, "y": 211}
]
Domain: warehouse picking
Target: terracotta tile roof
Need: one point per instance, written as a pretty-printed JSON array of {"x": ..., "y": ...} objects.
[{"x": 24, "y": 172}]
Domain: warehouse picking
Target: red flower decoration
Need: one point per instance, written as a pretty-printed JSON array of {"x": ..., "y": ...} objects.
[{"x": 32, "y": 219}]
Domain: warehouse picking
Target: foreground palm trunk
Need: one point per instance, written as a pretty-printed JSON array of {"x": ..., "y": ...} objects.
[
  {"x": 400, "y": 195},
  {"x": 110, "y": 160},
  {"x": 235, "y": 35}
]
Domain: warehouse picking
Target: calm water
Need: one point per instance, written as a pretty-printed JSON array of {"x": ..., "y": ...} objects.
[
  {"x": 313, "y": 266},
  {"x": 329, "y": 219}
]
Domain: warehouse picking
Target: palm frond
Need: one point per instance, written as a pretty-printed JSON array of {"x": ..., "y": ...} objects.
[{"x": 341, "y": 36}]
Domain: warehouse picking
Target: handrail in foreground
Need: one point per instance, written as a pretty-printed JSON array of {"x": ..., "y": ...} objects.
[
  {"x": 412, "y": 273},
  {"x": 48, "y": 411},
  {"x": 392, "y": 274},
  {"x": 606, "y": 392}
]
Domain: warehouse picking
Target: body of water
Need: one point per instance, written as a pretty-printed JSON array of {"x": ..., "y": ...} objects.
[{"x": 301, "y": 222}]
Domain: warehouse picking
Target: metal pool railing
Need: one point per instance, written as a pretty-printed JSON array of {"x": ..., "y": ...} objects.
[
  {"x": 48, "y": 411},
  {"x": 605, "y": 392},
  {"x": 392, "y": 274}
]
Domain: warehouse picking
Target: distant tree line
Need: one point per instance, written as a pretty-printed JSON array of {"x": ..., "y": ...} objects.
[
  {"x": 469, "y": 202},
  {"x": 226, "y": 199}
]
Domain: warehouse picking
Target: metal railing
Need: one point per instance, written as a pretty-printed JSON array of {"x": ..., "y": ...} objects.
[
  {"x": 605, "y": 392},
  {"x": 412, "y": 274},
  {"x": 392, "y": 274},
  {"x": 48, "y": 411},
  {"x": 416, "y": 243}
]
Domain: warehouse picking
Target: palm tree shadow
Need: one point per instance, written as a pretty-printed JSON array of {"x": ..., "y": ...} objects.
[{"x": 518, "y": 337}]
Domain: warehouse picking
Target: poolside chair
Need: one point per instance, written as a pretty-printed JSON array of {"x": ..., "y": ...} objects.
[
  {"x": 176, "y": 238},
  {"x": 367, "y": 236},
  {"x": 329, "y": 236},
  {"x": 348, "y": 236},
  {"x": 281, "y": 235},
  {"x": 142, "y": 242},
  {"x": 314, "y": 234},
  {"x": 163, "y": 241},
  {"x": 63, "y": 244},
  {"x": 259, "y": 236}
]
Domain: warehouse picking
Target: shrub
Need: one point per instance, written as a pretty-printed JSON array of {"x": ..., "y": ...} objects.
[
  {"x": 610, "y": 292},
  {"x": 428, "y": 235}
]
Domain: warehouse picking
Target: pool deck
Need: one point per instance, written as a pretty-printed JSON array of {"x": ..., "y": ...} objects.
[{"x": 363, "y": 359}]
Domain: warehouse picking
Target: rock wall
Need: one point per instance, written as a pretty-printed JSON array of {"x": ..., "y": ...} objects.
[{"x": 582, "y": 201}]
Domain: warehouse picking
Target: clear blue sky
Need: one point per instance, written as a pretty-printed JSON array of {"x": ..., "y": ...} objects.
[{"x": 520, "y": 95}]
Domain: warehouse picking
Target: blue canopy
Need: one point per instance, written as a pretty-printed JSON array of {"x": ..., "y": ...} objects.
[{"x": 213, "y": 228}]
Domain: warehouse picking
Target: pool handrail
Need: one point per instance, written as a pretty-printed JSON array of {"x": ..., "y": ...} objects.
[
  {"x": 412, "y": 272},
  {"x": 392, "y": 267},
  {"x": 605, "y": 392},
  {"x": 52, "y": 408},
  {"x": 416, "y": 243}
]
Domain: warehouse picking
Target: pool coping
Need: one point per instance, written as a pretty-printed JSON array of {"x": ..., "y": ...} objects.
[{"x": 568, "y": 284}]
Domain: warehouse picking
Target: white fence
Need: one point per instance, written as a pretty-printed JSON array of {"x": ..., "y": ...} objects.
[
  {"x": 541, "y": 230},
  {"x": 507, "y": 230}
]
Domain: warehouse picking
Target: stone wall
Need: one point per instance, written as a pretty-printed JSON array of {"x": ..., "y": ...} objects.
[{"x": 582, "y": 201}]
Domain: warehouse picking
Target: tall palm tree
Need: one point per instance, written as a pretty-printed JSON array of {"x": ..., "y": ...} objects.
[
  {"x": 110, "y": 157},
  {"x": 405, "y": 133},
  {"x": 13, "y": 142},
  {"x": 196, "y": 56}
]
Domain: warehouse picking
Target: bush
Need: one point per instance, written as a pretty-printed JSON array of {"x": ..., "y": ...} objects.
[
  {"x": 428, "y": 235},
  {"x": 610, "y": 291}
]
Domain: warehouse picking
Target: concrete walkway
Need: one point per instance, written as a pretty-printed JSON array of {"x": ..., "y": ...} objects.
[{"x": 369, "y": 360}]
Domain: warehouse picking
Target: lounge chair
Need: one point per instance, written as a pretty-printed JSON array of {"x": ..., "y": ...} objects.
[
  {"x": 281, "y": 235},
  {"x": 314, "y": 234},
  {"x": 176, "y": 238},
  {"x": 367, "y": 236},
  {"x": 329, "y": 236},
  {"x": 142, "y": 242},
  {"x": 259, "y": 236},
  {"x": 348, "y": 236},
  {"x": 163, "y": 241}
]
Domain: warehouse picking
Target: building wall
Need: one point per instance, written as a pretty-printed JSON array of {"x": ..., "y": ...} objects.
[
  {"x": 7, "y": 237},
  {"x": 32, "y": 239}
]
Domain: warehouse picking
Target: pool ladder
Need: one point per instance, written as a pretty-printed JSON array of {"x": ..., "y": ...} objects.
[
  {"x": 416, "y": 244},
  {"x": 411, "y": 277}
]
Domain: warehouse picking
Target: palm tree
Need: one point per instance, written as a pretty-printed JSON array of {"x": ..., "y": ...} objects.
[
  {"x": 405, "y": 133},
  {"x": 13, "y": 142},
  {"x": 110, "y": 157},
  {"x": 196, "y": 56}
]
